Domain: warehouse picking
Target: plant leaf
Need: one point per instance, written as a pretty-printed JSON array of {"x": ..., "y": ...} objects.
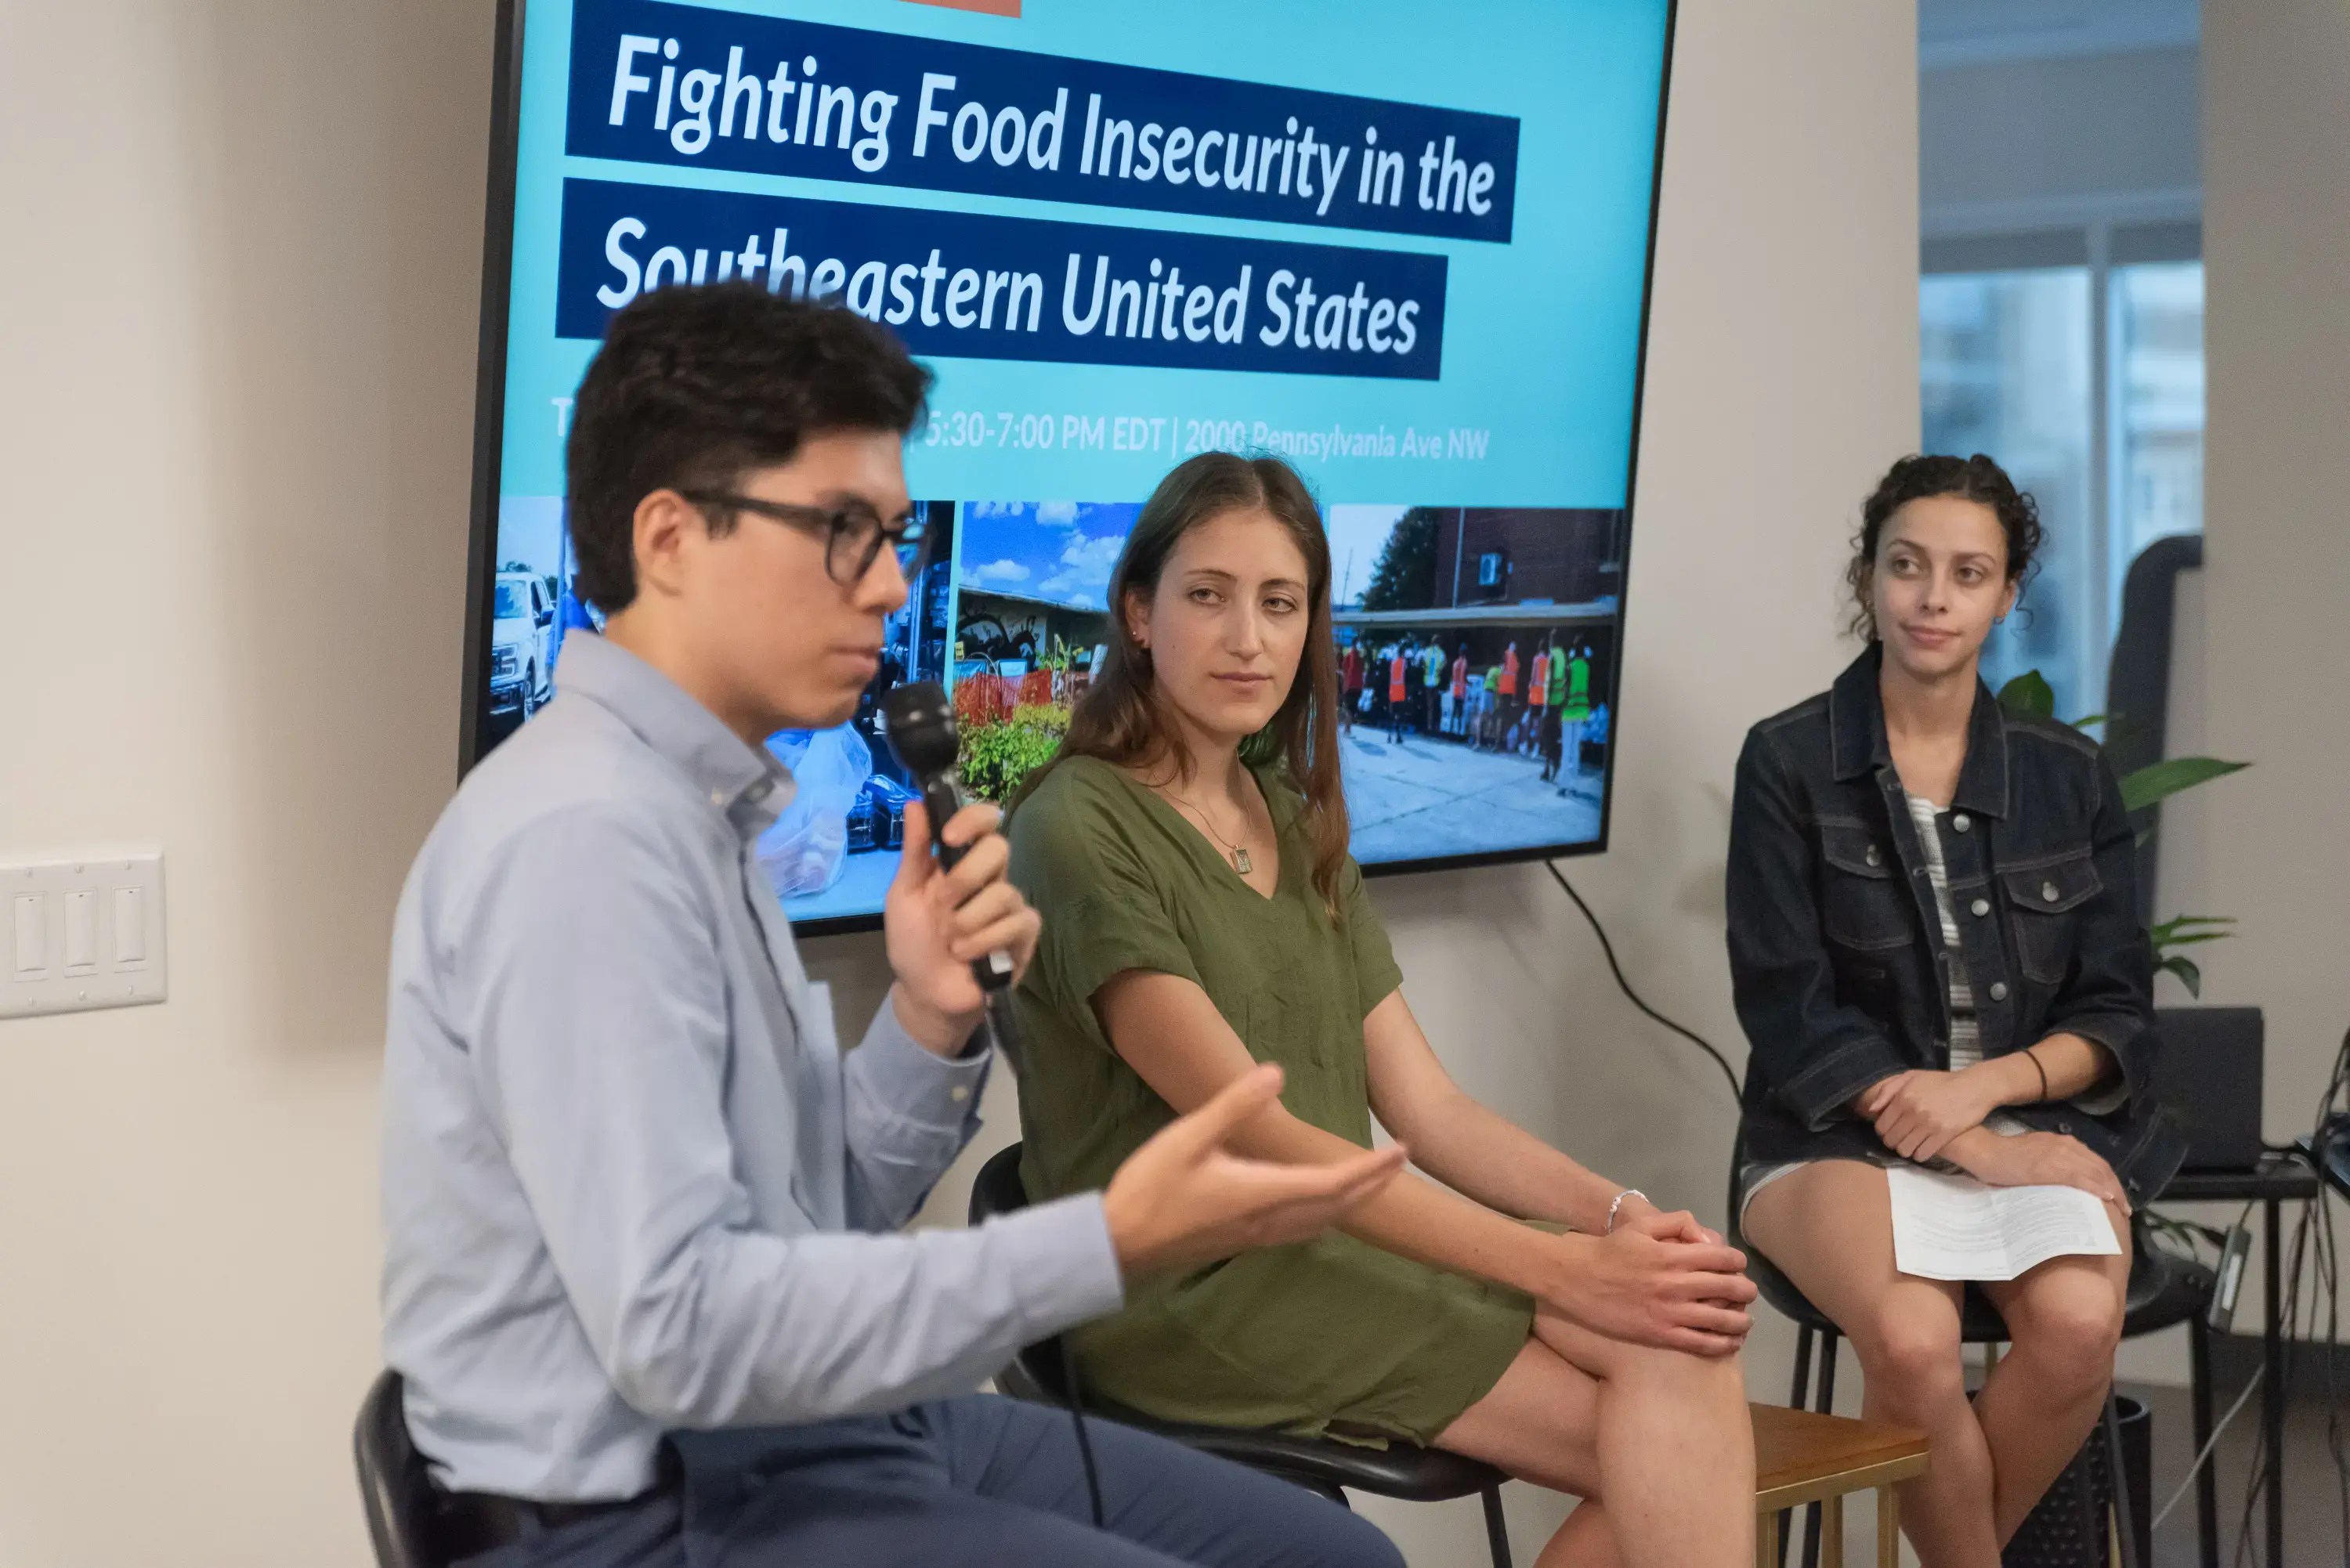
[
  {"x": 2188, "y": 975},
  {"x": 2091, "y": 721},
  {"x": 2029, "y": 696},
  {"x": 2160, "y": 781},
  {"x": 2178, "y": 923}
]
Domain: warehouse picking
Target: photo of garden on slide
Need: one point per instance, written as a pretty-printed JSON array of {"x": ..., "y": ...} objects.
[{"x": 1032, "y": 625}]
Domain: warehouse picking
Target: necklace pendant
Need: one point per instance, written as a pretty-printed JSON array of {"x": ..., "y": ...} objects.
[{"x": 1240, "y": 861}]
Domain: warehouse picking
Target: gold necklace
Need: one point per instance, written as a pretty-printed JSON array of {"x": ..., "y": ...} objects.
[{"x": 1240, "y": 856}]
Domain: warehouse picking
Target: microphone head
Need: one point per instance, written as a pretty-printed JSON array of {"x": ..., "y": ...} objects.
[{"x": 922, "y": 727}]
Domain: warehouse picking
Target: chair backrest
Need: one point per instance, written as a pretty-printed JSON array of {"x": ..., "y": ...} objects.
[
  {"x": 997, "y": 1191},
  {"x": 2138, "y": 683},
  {"x": 394, "y": 1484}
]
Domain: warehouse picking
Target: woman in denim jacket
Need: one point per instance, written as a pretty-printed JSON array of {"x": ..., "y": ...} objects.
[{"x": 1937, "y": 958}]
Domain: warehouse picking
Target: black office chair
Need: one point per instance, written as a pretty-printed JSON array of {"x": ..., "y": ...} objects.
[
  {"x": 394, "y": 1482},
  {"x": 1399, "y": 1470},
  {"x": 2165, "y": 1289}
]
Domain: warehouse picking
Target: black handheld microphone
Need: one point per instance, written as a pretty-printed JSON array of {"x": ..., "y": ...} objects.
[{"x": 923, "y": 732}]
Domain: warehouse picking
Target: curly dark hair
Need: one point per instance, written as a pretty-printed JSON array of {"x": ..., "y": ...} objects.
[
  {"x": 696, "y": 386},
  {"x": 1920, "y": 477}
]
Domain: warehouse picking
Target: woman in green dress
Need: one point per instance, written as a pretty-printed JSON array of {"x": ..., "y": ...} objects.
[{"x": 1188, "y": 848}]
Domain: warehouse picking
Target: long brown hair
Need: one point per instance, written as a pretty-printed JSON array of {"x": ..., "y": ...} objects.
[{"x": 1123, "y": 719}]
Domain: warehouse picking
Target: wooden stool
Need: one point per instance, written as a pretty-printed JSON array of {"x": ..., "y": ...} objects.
[{"x": 1801, "y": 1458}]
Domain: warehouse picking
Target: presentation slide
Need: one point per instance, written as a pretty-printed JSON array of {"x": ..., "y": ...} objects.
[{"x": 1403, "y": 245}]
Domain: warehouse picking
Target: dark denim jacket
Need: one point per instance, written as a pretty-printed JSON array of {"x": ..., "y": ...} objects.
[{"x": 1835, "y": 949}]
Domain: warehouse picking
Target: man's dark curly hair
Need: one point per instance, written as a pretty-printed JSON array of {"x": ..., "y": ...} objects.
[
  {"x": 696, "y": 387},
  {"x": 1919, "y": 478}
]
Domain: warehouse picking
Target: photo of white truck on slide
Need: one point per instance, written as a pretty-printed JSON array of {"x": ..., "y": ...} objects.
[{"x": 522, "y": 641}]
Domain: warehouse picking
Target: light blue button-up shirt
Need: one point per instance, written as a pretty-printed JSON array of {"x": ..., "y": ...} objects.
[{"x": 631, "y": 1183}]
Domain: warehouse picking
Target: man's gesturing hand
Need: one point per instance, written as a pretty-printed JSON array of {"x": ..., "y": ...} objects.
[{"x": 1183, "y": 1198}]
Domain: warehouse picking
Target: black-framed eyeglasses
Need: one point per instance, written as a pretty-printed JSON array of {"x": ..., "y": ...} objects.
[{"x": 853, "y": 535}]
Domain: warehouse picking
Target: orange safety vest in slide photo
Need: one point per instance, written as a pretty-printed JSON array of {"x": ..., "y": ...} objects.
[
  {"x": 1395, "y": 679},
  {"x": 1539, "y": 695},
  {"x": 1460, "y": 677},
  {"x": 1510, "y": 673}
]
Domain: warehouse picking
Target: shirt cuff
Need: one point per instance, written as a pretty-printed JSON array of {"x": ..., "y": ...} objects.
[
  {"x": 1062, "y": 1264},
  {"x": 918, "y": 1086},
  {"x": 2105, "y": 1098}
]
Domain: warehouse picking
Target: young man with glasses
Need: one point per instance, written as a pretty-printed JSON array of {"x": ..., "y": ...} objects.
[{"x": 643, "y": 1276}]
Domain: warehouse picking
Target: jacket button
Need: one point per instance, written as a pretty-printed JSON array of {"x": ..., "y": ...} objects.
[
  {"x": 1962, "y": 823},
  {"x": 2048, "y": 892},
  {"x": 1981, "y": 906},
  {"x": 1876, "y": 857},
  {"x": 1999, "y": 991},
  {"x": 2065, "y": 1127}
]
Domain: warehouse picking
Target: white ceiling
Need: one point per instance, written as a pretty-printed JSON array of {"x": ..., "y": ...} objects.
[{"x": 1972, "y": 32}]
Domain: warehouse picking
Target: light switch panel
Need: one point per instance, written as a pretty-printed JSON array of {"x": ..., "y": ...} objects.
[
  {"x": 83, "y": 932},
  {"x": 32, "y": 948}
]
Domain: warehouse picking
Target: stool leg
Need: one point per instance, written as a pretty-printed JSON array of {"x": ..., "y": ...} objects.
[
  {"x": 1797, "y": 1398},
  {"x": 1888, "y": 1527},
  {"x": 2126, "y": 1541},
  {"x": 1497, "y": 1529},
  {"x": 1768, "y": 1543},
  {"x": 1832, "y": 1532},
  {"x": 1830, "y": 1343}
]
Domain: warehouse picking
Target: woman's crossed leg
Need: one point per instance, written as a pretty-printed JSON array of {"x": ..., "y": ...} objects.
[{"x": 1657, "y": 1442}]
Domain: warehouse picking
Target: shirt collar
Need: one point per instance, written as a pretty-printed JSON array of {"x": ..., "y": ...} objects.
[
  {"x": 1856, "y": 736},
  {"x": 745, "y": 784}
]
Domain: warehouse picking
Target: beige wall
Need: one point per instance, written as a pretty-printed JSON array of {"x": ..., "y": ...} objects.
[
  {"x": 2266, "y": 845},
  {"x": 243, "y": 259},
  {"x": 235, "y": 408}
]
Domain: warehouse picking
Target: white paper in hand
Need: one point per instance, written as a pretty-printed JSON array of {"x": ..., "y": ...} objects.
[{"x": 1950, "y": 1227}]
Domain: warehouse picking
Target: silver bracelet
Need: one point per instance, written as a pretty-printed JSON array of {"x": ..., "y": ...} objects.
[{"x": 1612, "y": 1208}]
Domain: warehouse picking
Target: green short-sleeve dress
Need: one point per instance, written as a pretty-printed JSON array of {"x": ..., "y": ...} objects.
[{"x": 1330, "y": 1336}]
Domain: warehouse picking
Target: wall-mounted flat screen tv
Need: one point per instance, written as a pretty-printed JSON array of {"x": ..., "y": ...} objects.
[{"x": 1405, "y": 245}]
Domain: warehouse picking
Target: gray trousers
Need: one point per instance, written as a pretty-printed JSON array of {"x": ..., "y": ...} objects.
[{"x": 957, "y": 1483}]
